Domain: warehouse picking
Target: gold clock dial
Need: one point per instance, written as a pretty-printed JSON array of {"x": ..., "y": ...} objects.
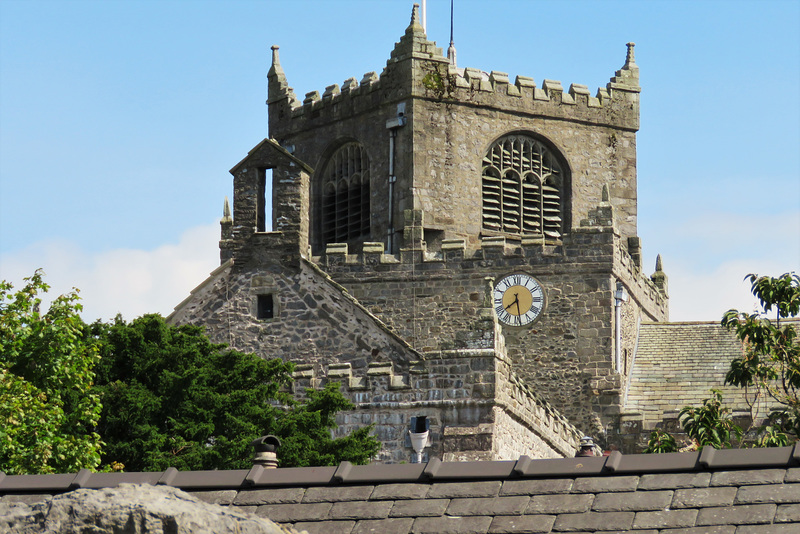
[{"x": 518, "y": 299}]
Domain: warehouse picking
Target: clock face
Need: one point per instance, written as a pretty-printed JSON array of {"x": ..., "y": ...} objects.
[{"x": 518, "y": 299}]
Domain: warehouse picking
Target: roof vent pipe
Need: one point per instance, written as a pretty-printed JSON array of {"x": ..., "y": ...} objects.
[
  {"x": 587, "y": 447},
  {"x": 620, "y": 297},
  {"x": 265, "y": 449},
  {"x": 419, "y": 436}
]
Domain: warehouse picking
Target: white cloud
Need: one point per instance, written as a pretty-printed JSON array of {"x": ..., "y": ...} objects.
[
  {"x": 705, "y": 296},
  {"x": 708, "y": 255},
  {"x": 130, "y": 282}
]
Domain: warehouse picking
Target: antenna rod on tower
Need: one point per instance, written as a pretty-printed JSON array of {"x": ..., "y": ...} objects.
[
  {"x": 451, "y": 21},
  {"x": 425, "y": 16}
]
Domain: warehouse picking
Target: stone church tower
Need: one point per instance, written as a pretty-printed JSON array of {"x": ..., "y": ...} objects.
[{"x": 446, "y": 244}]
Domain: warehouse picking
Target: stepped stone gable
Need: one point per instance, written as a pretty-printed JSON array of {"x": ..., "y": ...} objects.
[
  {"x": 399, "y": 202},
  {"x": 727, "y": 491}
]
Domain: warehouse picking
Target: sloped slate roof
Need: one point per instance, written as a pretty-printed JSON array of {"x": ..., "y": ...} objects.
[
  {"x": 729, "y": 491},
  {"x": 676, "y": 364}
]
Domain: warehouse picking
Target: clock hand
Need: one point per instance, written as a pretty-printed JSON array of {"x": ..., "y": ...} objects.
[{"x": 516, "y": 301}]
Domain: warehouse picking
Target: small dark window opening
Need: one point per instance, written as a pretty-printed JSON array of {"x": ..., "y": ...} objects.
[
  {"x": 261, "y": 201},
  {"x": 265, "y": 307}
]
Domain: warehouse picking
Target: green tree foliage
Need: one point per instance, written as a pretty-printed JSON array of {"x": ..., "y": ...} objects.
[
  {"x": 661, "y": 441},
  {"x": 171, "y": 398},
  {"x": 770, "y": 367},
  {"x": 48, "y": 407},
  {"x": 710, "y": 424}
]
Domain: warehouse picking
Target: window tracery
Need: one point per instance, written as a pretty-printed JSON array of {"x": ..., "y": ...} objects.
[
  {"x": 345, "y": 194},
  {"x": 522, "y": 188}
]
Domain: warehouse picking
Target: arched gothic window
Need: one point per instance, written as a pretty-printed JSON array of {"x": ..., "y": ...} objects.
[
  {"x": 345, "y": 194},
  {"x": 523, "y": 188}
]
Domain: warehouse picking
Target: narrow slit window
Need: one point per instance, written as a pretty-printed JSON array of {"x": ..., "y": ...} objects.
[
  {"x": 265, "y": 307},
  {"x": 261, "y": 201}
]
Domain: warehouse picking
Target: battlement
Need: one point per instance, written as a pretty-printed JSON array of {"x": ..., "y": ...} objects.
[
  {"x": 418, "y": 69},
  {"x": 460, "y": 391}
]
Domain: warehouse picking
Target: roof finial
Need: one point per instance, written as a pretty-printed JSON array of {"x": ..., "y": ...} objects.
[
  {"x": 628, "y": 76},
  {"x": 415, "y": 26},
  {"x": 276, "y": 70},
  {"x": 629, "y": 61},
  {"x": 451, "y": 50},
  {"x": 275, "y": 59},
  {"x": 226, "y": 210}
]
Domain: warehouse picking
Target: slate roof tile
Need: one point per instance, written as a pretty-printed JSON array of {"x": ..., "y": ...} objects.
[
  {"x": 490, "y": 488},
  {"x": 419, "y": 508},
  {"x": 488, "y": 506},
  {"x": 665, "y": 519},
  {"x": 563, "y": 504},
  {"x": 737, "y": 515},
  {"x": 684, "y": 493},
  {"x": 525, "y": 523},
  {"x": 452, "y": 525}
]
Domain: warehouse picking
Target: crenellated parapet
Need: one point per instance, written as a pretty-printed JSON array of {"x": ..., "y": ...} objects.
[
  {"x": 418, "y": 68},
  {"x": 461, "y": 391}
]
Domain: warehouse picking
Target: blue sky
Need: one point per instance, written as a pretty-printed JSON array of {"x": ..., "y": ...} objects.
[{"x": 120, "y": 119}]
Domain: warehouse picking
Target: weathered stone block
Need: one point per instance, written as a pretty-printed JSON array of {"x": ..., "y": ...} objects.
[
  {"x": 269, "y": 496},
  {"x": 361, "y": 510},
  {"x": 748, "y": 477},
  {"x": 737, "y": 515},
  {"x": 786, "y": 493},
  {"x": 665, "y": 519},
  {"x": 535, "y": 487},
  {"x": 292, "y": 513},
  {"x": 634, "y": 502},
  {"x": 526, "y": 523},
  {"x": 560, "y": 504},
  {"x": 674, "y": 481},
  {"x": 488, "y": 506},
  {"x": 594, "y": 521},
  {"x": 438, "y": 525},
  {"x": 400, "y": 491},
  {"x": 605, "y": 484},
  {"x": 384, "y": 526},
  {"x": 325, "y": 527},
  {"x": 419, "y": 508},
  {"x": 470, "y": 489},
  {"x": 335, "y": 494},
  {"x": 700, "y": 497}
]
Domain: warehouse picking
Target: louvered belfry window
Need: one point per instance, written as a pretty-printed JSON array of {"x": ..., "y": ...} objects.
[
  {"x": 522, "y": 186},
  {"x": 345, "y": 194}
]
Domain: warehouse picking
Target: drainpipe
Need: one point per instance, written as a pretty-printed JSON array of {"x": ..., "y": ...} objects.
[
  {"x": 393, "y": 125},
  {"x": 620, "y": 296}
]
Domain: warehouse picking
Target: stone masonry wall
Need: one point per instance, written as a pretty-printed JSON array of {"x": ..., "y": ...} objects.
[
  {"x": 567, "y": 354},
  {"x": 475, "y": 407},
  {"x": 451, "y": 140},
  {"x": 452, "y": 116},
  {"x": 314, "y": 322}
]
